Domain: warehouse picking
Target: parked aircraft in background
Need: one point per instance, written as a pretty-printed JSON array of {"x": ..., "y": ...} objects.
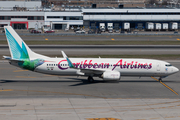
[{"x": 106, "y": 68}]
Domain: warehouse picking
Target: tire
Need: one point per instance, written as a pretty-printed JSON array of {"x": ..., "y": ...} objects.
[{"x": 90, "y": 79}]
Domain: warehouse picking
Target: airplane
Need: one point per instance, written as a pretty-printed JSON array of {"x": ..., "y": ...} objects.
[{"x": 106, "y": 68}]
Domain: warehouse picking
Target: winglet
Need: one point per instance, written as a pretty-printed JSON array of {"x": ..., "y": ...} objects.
[
  {"x": 68, "y": 60},
  {"x": 64, "y": 55}
]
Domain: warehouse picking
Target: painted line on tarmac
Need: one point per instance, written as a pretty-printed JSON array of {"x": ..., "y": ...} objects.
[
  {"x": 25, "y": 77},
  {"x": 6, "y": 90},
  {"x": 154, "y": 118},
  {"x": 63, "y": 93},
  {"x": 166, "y": 86},
  {"x": 102, "y": 119},
  {"x": 20, "y": 70}
]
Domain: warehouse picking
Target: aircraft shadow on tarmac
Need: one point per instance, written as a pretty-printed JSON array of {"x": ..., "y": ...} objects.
[
  {"x": 80, "y": 81},
  {"x": 85, "y": 82},
  {"x": 7, "y": 81},
  {"x": 71, "y": 80}
]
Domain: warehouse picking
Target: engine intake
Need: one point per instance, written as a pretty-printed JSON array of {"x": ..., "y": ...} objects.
[{"x": 111, "y": 75}]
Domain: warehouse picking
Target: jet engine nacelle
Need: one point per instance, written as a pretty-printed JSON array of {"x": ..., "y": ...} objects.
[{"x": 111, "y": 75}]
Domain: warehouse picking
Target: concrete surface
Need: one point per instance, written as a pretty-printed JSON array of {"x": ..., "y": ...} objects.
[
  {"x": 83, "y": 108},
  {"x": 97, "y": 37},
  {"x": 26, "y": 95},
  {"x": 111, "y": 50}
]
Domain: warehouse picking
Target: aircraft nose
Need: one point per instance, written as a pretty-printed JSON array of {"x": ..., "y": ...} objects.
[{"x": 176, "y": 69}]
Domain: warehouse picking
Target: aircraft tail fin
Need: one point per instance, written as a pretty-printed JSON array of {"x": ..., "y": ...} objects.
[{"x": 18, "y": 48}]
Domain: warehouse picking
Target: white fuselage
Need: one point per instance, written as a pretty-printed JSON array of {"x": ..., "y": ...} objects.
[
  {"x": 127, "y": 67},
  {"x": 105, "y": 68}
]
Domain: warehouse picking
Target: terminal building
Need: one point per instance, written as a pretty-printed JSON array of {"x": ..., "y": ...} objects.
[
  {"x": 34, "y": 16},
  {"x": 22, "y": 20},
  {"x": 64, "y": 19},
  {"x": 21, "y": 14},
  {"x": 139, "y": 18}
]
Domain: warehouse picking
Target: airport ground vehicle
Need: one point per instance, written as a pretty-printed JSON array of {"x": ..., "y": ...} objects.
[
  {"x": 49, "y": 31},
  {"x": 35, "y": 31},
  {"x": 66, "y": 29},
  {"x": 110, "y": 27},
  {"x": 80, "y": 32},
  {"x": 102, "y": 27},
  {"x": 126, "y": 26},
  {"x": 116, "y": 30},
  {"x": 173, "y": 26}
]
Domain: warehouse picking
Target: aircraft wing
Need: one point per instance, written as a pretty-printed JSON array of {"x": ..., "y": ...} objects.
[
  {"x": 82, "y": 71},
  {"x": 92, "y": 71}
]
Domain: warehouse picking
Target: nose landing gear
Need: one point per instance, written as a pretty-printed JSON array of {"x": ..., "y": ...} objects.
[{"x": 160, "y": 79}]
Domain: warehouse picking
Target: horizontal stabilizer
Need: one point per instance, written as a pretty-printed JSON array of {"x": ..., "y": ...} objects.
[
  {"x": 10, "y": 59},
  {"x": 7, "y": 57}
]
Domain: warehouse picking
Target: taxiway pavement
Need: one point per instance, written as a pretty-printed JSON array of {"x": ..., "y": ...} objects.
[
  {"x": 24, "y": 83},
  {"x": 73, "y": 50},
  {"x": 52, "y": 37},
  {"x": 33, "y": 96}
]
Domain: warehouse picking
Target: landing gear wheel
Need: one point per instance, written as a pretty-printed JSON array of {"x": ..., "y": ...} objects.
[
  {"x": 160, "y": 79},
  {"x": 90, "y": 79}
]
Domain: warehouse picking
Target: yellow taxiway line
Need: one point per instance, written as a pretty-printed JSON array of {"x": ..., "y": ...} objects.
[
  {"x": 20, "y": 70},
  {"x": 166, "y": 86},
  {"x": 102, "y": 119},
  {"x": 6, "y": 90}
]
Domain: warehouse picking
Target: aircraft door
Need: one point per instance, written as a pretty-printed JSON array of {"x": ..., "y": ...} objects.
[{"x": 158, "y": 66}]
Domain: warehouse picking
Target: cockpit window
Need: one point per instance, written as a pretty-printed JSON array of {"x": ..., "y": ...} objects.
[{"x": 168, "y": 65}]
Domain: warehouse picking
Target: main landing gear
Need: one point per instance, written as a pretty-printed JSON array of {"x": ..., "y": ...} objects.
[
  {"x": 160, "y": 79},
  {"x": 90, "y": 79}
]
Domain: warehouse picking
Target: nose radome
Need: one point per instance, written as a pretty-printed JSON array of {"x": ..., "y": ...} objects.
[{"x": 176, "y": 69}]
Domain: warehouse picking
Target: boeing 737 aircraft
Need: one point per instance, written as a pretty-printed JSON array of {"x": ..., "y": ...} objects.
[{"x": 106, "y": 68}]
